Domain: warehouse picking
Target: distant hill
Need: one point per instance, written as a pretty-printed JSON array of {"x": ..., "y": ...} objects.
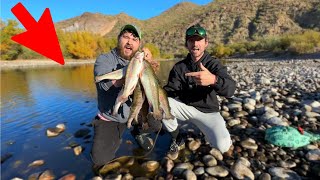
[{"x": 225, "y": 20}]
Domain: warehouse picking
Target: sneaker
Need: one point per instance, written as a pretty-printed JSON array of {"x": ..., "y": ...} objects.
[
  {"x": 175, "y": 147},
  {"x": 144, "y": 141}
]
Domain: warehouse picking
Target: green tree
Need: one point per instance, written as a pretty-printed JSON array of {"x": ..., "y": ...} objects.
[
  {"x": 106, "y": 45},
  {"x": 153, "y": 49},
  {"x": 9, "y": 49}
]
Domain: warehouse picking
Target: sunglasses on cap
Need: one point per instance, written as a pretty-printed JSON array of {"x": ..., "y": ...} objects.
[{"x": 196, "y": 30}]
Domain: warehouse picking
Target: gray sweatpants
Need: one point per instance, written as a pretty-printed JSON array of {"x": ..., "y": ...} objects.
[{"x": 212, "y": 125}]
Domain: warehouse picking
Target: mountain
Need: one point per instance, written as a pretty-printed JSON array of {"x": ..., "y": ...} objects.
[{"x": 226, "y": 21}]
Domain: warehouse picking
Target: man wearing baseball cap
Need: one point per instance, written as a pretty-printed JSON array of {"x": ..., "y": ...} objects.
[
  {"x": 108, "y": 129},
  {"x": 193, "y": 86}
]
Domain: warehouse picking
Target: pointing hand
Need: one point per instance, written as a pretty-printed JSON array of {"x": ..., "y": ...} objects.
[{"x": 203, "y": 77}]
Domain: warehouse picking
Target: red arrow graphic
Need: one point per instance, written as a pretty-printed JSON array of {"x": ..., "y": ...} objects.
[{"x": 40, "y": 36}]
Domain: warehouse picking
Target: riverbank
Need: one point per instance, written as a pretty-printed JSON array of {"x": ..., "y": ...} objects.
[{"x": 34, "y": 63}]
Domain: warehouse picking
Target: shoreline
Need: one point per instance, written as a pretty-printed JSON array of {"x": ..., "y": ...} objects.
[{"x": 35, "y": 63}]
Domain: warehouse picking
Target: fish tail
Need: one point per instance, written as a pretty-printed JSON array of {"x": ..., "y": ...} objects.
[
  {"x": 168, "y": 116},
  {"x": 157, "y": 115}
]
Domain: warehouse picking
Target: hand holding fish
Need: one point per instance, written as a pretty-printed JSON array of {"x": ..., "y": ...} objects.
[
  {"x": 147, "y": 54},
  {"x": 203, "y": 77}
]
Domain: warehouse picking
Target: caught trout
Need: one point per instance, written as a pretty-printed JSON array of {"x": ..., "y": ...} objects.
[
  {"x": 156, "y": 96},
  {"x": 132, "y": 77},
  {"x": 138, "y": 100},
  {"x": 164, "y": 103},
  {"x": 115, "y": 75}
]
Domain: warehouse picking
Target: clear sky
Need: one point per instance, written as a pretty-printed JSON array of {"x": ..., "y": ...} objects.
[{"x": 65, "y": 9}]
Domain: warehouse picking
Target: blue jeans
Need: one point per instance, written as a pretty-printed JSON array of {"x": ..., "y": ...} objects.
[{"x": 212, "y": 125}]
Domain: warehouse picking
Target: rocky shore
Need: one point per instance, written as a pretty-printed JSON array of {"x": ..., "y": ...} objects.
[{"x": 269, "y": 93}]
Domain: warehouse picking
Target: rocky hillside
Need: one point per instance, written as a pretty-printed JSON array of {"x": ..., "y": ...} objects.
[{"x": 226, "y": 21}]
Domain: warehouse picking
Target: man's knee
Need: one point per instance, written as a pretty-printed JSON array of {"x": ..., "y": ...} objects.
[
  {"x": 170, "y": 125},
  {"x": 224, "y": 144}
]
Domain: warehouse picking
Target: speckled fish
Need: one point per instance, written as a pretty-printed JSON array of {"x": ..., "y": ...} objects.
[
  {"x": 138, "y": 99},
  {"x": 132, "y": 77},
  {"x": 156, "y": 96},
  {"x": 164, "y": 104},
  {"x": 118, "y": 74}
]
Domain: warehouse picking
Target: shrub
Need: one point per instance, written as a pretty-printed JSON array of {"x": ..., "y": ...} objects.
[
  {"x": 301, "y": 47},
  {"x": 10, "y": 50},
  {"x": 243, "y": 51},
  {"x": 221, "y": 51},
  {"x": 167, "y": 56},
  {"x": 153, "y": 49}
]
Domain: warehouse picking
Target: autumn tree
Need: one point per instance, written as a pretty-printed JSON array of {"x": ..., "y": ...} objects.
[
  {"x": 153, "y": 49},
  {"x": 10, "y": 50},
  {"x": 82, "y": 45}
]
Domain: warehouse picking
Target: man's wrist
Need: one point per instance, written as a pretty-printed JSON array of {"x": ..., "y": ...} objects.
[{"x": 215, "y": 79}]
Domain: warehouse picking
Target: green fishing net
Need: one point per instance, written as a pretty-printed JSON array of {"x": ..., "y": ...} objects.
[{"x": 287, "y": 136}]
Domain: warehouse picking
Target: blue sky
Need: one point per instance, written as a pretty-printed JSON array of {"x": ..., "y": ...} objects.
[{"x": 65, "y": 9}]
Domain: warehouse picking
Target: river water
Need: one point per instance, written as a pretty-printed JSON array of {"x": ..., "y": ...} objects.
[{"x": 33, "y": 100}]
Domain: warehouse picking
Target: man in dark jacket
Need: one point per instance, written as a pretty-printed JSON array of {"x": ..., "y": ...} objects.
[{"x": 193, "y": 86}]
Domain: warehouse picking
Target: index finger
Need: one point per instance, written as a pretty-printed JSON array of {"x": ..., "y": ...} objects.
[{"x": 192, "y": 74}]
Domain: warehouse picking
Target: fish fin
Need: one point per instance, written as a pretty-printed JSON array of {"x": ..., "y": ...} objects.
[{"x": 168, "y": 117}]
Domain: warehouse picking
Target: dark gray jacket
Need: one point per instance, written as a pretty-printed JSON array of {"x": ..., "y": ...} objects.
[
  {"x": 106, "y": 92},
  {"x": 204, "y": 98}
]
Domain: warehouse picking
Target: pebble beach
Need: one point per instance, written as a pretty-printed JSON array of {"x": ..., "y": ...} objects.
[{"x": 270, "y": 92}]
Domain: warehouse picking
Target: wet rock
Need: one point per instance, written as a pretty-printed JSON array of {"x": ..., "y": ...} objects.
[
  {"x": 199, "y": 170},
  {"x": 278, "y": 172},
  {"x": 167, "y": 164},
  {"x": 193, "y": 145},
  {"x": 77, "y": 150},
  {"x": 209, "y": 160},
  {"x": 52, "y": 132},
  {"x": 313, "y": 155},
  {"x": 127, "y": 176},
  {"x": 109, "y": 167},
  {"x": 179, "y": 168},
  {"x": 217, "y": 171},
  {"x": 249, "y": 144},
  {"x": 150, "y": 166},
  {"x": 241, "y": 170},
  {"x": 47, "y": 175},
  {"x": 287, "y": 164},
  {"x": 216, "y": 154},
  {"x": 36, "y": 163},
  {"x": 68, "y": 177},
  {"x": 189, "y": 175},
  {"x": 264, "y": 176}
]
